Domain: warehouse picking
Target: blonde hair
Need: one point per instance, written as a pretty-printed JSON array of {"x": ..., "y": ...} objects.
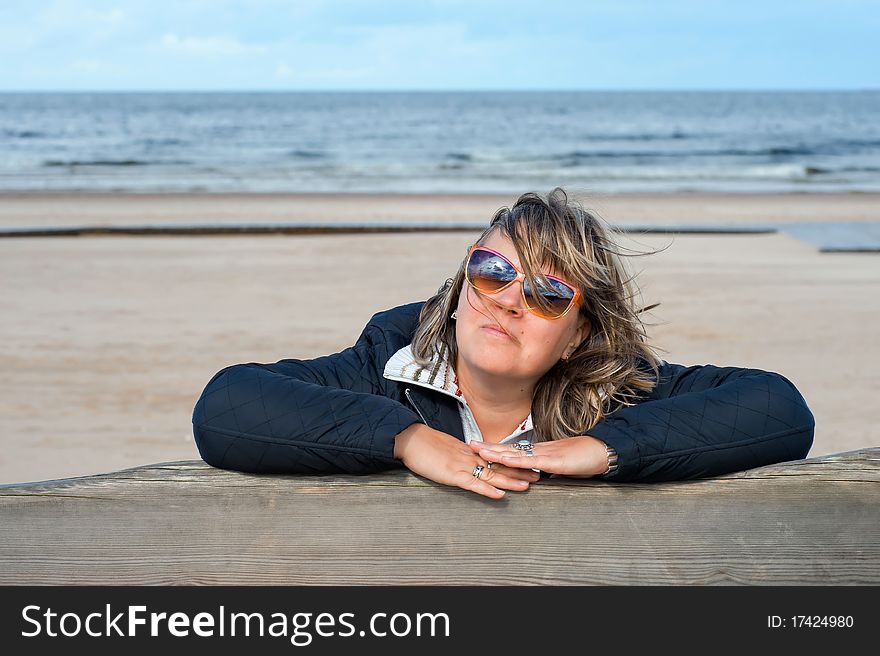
[{"x": 612, "y": 365}]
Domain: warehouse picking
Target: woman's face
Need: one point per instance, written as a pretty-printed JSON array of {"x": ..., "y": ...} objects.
[{"x": 497, "y": 335}]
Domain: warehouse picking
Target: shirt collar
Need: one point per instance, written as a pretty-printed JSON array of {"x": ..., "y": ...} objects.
[{"x": 438, "y": 375}]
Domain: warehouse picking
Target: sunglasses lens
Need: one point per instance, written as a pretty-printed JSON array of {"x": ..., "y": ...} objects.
[
  {"x": 554, "y": 300},
  {"x": 488, "y": 272}
]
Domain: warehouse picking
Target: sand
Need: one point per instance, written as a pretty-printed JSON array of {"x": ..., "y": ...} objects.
[{"x": 107, "y": 342}]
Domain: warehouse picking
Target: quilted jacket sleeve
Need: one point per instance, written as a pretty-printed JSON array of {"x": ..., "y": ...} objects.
[
  {"x": 326, "y": 415},
  {"x": 706, "y": 421}
]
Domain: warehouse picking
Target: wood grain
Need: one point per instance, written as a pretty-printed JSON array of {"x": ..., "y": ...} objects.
[{"x": 808, "y": 522}]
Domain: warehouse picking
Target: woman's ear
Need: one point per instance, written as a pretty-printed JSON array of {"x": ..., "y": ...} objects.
[
  {"x": 584, "y": 328},
  {"x": 580, "y": 334}
]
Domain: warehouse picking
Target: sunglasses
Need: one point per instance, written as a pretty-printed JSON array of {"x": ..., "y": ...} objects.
[{"x": 489, "y": 272}]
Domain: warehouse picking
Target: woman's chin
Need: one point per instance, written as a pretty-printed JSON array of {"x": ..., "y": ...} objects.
[{"x": 497, "y": 366}]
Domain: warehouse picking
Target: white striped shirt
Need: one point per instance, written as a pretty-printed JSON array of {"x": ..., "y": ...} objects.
[{"x": 440, "y": 376}]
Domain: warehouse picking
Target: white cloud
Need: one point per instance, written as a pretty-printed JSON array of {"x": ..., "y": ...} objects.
[
  {"x": 108, "y": 24},
  {"x": 90, "y": 66},
  {"x": 69, "y": 18},
  {"x": 112, "y": 17},
  {"x": 209, "y": 45},
  {"x": 337, "y": 74}
]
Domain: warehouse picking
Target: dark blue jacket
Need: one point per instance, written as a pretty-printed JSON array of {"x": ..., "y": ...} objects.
[{"x": 338, "y": 414}]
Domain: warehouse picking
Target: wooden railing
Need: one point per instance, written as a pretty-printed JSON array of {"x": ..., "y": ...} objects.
[{"x": 805, "y": 522}]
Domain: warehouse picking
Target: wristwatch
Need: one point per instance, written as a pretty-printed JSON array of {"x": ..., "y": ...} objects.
[{"x": 612, "y": 460}]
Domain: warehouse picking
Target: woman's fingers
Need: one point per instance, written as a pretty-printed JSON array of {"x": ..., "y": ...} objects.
[
  {"x": 543, "y": 463},
  {"x": 445, "y": 459},
  {"x": 492, "y": 453},
  {"x": 519, "y": 474},
  {"x": 495, "y": 454},
  {"x": 491, "y": 483},
  {"x": 503, "y": 480},
  {"x": 515, "y": 461},
  {"x": 490, "y": 446},
  {"x": 482, "y": 487},
  {"x": 582, "y": 456}
]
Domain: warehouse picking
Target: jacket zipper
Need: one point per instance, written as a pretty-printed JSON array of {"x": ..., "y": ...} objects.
[{"x": 413, "y": 404}]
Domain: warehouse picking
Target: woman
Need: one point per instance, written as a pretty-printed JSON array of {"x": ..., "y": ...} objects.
[{"x": 532, "y": 359}]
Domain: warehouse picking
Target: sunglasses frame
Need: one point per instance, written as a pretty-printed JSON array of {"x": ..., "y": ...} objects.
[{"x": 577, "y": 299}]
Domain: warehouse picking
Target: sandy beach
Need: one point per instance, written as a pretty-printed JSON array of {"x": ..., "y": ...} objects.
[{"x": 107, "y": 342}]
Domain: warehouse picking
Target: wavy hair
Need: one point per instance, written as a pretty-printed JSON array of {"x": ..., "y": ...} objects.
[{"x": 614, "y": 364}]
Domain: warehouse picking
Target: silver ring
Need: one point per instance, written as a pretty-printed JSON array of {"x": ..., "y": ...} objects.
[
  {"x": 530, "y": 454},
  {"x": 477, "y": 471},
  {"x": 524, "y": 445}
]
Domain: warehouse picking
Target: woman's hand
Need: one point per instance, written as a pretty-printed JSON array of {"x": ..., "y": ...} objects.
[
  {"x": 444, "y": 459},
  {"x": 583, "y": 456}
]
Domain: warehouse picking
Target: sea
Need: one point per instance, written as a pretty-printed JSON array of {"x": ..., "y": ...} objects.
[{"x": 441, "y": 142}]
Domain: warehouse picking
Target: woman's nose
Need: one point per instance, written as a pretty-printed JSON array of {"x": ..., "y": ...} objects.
[{"x": 510, "y": 298}]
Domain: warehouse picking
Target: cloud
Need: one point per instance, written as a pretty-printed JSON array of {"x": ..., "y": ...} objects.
[
  {"x": 283, "y": 71},
  {"x": 68, "y": 18},
  {"x": 90, "y": 66},
  {"x": 209, "y": 45},
  {"x": 112, "y": 17}
]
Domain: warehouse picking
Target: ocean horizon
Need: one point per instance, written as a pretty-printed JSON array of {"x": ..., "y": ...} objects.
[{"x": 441, "y": 142}]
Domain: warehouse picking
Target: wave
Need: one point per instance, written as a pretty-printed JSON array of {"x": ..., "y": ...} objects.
[
  {"x": 503, "y": 179},
  {"x": 308, "y": 154},
  {"x": 858, "y": 143},
  {"x": 575, "y": 158},
  {"x": 775, "y": 151},
  {"x": 817, "y": 170},
  {"x": 780, "y": 172},
  {"x": 675, "y": 135},
  {"x": 151, "y": 141},
  {"x": 57, "y": 163},
  {"x": 859, "y": 169},
  {"x": 23, "y": 134},
  {"x": 792, "y": 172}
]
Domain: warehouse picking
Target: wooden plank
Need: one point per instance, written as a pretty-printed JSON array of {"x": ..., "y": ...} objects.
[{"x": 807, "y": 522}]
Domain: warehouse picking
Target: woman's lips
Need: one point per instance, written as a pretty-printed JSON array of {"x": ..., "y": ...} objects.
[{"x": 497, "y": 331}]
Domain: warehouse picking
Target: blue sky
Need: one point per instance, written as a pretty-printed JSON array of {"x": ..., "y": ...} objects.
[{"x": 448, "y": 44}]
